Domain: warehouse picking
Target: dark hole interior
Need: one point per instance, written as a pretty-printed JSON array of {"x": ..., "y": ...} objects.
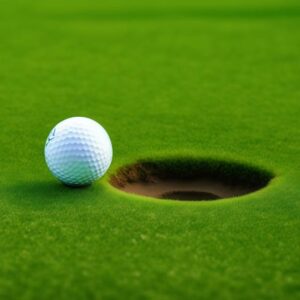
[
  {"x": 189, "y": 196},
  {"x": 190, "y": 179}
]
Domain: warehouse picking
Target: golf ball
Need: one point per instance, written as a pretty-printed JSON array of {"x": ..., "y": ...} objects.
[{"x": 78, "y": 151}]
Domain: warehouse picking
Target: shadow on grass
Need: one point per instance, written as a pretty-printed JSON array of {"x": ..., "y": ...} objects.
[{"x": 47, "y": 193}]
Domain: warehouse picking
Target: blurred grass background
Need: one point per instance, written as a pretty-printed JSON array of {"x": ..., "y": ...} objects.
[{"x": 217, "y": 79}]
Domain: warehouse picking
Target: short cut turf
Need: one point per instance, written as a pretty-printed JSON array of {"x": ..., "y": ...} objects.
[{"x": 215, "y": 78}]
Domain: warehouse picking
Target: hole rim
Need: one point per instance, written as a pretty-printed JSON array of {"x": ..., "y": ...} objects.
[{"x": 217, "y": 163}]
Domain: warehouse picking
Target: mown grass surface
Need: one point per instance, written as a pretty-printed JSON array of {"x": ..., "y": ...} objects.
[{"x": 164, "y": 78}]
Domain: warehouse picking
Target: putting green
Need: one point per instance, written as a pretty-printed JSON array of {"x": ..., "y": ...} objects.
[{"x": 165, "y": 78}]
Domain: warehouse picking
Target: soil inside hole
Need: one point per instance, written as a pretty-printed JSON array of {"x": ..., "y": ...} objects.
[
  {"x": 189, "y": 195},
  {"x": 190, "y": 179}
]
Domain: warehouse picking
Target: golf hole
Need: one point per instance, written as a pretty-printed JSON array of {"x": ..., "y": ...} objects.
[{"x": 190, "y": 179}]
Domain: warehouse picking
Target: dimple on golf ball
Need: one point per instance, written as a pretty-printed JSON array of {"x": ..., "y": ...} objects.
[{"x": 78, "y": 151}]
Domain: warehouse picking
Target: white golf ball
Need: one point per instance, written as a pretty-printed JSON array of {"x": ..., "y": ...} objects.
[{"x": 78, "y": 151}]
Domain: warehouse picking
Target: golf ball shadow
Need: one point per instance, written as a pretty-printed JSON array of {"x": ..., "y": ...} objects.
[{"x": 50, "y": 193}]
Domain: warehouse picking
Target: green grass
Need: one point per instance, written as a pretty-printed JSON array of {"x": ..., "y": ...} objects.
[{"x": 164, "y": 78}]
